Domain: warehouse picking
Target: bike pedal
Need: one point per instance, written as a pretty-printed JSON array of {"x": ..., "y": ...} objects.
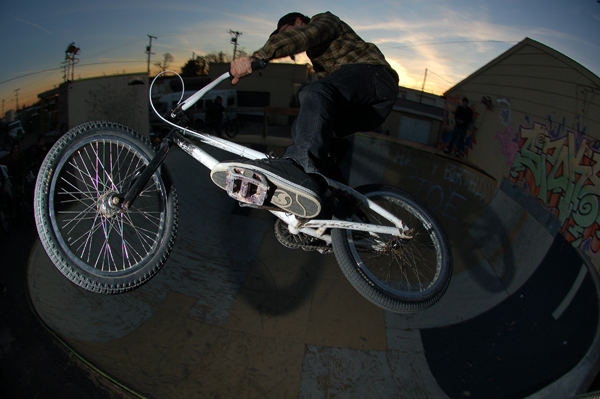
[{"x": 246, "y": 185}]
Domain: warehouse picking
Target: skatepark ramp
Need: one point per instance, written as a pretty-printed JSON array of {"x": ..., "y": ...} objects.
[{"x": 235, "y": 314}]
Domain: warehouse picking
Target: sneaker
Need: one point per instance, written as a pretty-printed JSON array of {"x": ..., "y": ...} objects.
[{"x": 289, "y": 187}]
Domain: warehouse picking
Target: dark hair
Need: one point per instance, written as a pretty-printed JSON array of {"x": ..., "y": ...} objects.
[
  {"x": 465, "y": 99},
  {"x": 289, "y": 19}
]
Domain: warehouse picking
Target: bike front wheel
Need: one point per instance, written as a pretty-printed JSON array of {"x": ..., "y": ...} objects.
[
  {"x": 99, "y": 247},
  {"x": 400, "y": 275}
]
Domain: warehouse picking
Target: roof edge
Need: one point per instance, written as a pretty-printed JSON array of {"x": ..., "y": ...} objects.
[{"x": 540, "y": 46}]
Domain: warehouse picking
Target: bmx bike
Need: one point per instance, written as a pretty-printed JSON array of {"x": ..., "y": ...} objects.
[{"x": 107, "y": 216}]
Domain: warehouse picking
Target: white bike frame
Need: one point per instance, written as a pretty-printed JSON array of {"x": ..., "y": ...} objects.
[{"x": 312, "y": 227}]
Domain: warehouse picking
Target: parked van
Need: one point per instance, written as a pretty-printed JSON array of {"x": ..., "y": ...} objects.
[
  {"x": 197, "y": 113},
  {"x": 15, "y": 130}
]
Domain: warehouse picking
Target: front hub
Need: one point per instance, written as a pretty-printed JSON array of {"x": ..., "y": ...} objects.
[{"x": 108, "y": 204}]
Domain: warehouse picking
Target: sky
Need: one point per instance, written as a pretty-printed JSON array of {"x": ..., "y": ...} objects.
[{"x": 451, "y": 39}]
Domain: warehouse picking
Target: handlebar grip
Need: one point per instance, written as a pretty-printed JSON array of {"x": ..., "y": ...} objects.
[{"x": 259, "y": 64}]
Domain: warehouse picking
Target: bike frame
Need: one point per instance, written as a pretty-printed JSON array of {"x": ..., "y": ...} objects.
[{"x": 312, "y": 227}]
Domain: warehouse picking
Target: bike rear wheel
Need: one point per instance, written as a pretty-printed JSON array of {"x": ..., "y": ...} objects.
[
  {"x": 98, "y": 247},
  {"x": 231, "y": 128},
  {"x": 400, "y": 275}
]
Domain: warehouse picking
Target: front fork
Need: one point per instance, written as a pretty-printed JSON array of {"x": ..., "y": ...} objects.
[{"x": 124, "y": 201}]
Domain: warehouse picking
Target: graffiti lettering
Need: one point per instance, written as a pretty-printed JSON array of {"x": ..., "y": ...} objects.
[
  {"x": 509, "y": 142},
  {"x": 482, "y": 189},
  {"x": 436, "y": 199},
  {"x": 563, "y": 174},
  {"x": 443, "y": 186},
  {"x": 505, "y": 116}
]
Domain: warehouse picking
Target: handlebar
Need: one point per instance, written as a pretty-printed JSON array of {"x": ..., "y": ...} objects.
[
  {"x": 256, "y": 64},
  {"x": 259, "y": 63}
]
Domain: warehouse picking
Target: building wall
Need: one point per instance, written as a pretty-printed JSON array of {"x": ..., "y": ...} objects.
[
  {"x": 122, "y": 99},
  {"x": 542, "y": 133},
  {"x": 282, "y": 81},
  {"x": 420, "y": 129}
]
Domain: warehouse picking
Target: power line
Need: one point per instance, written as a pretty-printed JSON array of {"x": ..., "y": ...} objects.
[
  {"x": 61, "y": 68},
  {"x": 408, "y": 46},
  {"x": 30, "y": 74},
  {"x": 440, "y": 77},
  {"x": 454, "y": 42}
]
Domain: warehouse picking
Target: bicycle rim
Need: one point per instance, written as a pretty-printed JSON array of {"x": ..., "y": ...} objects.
[
  {"x": 409, "y": 270},
  {"x": 95, "y": 237}
]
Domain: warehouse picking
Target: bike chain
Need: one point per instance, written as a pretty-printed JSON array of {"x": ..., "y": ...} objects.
[{"x": 300, "y": 240}]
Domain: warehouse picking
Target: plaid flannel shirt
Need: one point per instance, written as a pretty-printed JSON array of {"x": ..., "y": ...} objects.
[{"x": 329, "y": 43}]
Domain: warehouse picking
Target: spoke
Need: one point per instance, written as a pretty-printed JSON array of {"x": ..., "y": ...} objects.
[
  {"x": 81, "y": 180},
  {"x": 146, "y": 238},
  {"x": 87, "y": 243},
  {"x": 124, "y": 245},
  {"x": 149, "y": 216},
  {"x": 100, "y": 166},
  {"x": 78, "y": 216},
  {"x": 131, "y": 249},
  {"x": 92, "y": 178},
  {"x": 106, "y": 250}
]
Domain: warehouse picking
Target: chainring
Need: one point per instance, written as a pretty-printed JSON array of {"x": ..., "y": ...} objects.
[{"x": 300, "y": 240}]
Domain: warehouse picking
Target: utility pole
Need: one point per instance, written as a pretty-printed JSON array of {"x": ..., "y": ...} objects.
[
  {"x": 423, "y": 87},
  {"x": 234, "y": 41},
  {"x": 17, "y": 98},
  {"x": 70, "y": 61},
  {"x": 149, "y": 50}
]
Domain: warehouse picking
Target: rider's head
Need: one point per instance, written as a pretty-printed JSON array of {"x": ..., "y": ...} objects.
[{"x": 290, "y": 20}]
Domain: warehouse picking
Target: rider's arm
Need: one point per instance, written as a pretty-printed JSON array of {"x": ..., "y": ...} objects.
[{"x": 321, "y": 29}]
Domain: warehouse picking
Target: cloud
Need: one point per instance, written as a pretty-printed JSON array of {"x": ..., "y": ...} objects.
[{"x": 32, "y": 24}]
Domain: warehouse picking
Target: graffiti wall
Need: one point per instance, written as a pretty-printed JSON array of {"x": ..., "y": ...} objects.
[{"x": 560, "y": 167}]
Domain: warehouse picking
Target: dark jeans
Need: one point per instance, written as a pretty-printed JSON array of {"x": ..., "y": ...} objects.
[
  {"x": 354, "y": 98},
  {"x": 458, "y": 138}
]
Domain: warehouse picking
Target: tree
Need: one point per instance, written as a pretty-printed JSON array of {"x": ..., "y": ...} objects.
[
  {"x": 222, "y": 56},
  {"x": 195, "y": 67},
  {"x": 217, "y": 57},
  {"x": 164, "y": 64},
  {"x": 199, "y": 65}
]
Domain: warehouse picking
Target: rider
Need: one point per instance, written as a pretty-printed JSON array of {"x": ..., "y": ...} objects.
[
  {"x": 463, "y": 117},
  {"x": 355, "y": 91},
  {"x": 214, "y": 115}
]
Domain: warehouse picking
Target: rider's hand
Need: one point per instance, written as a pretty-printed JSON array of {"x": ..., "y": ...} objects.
[{"x": 240, "y": 67}]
